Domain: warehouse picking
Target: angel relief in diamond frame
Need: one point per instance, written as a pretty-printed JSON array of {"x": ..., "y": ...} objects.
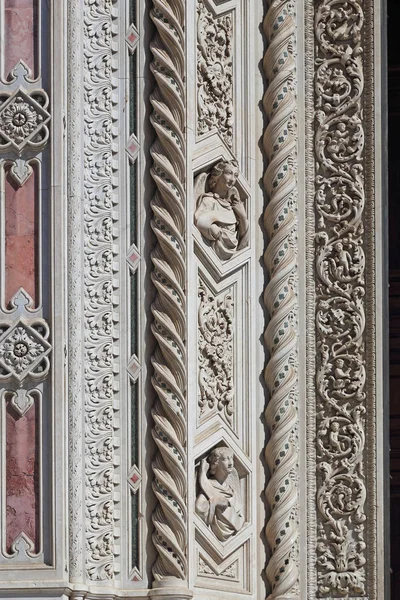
[{"x": 220, "y": 214}]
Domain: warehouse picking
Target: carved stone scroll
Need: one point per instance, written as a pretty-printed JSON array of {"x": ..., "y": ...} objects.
[
  {"x": 341, "y": 232},
  {"x": 281, "y": 335},
  {"x": 169, "y": 307}
]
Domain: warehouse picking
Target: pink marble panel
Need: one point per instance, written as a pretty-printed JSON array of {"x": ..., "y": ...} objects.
[
  {"x": 21, "y": 230},
  {"x": 20, "y": 33},
  {"x": 22, "y": 476}
]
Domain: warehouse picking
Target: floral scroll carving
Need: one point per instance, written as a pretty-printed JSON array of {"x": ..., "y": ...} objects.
[
  {"x": 340, "y": 297},
  {"x": 100, "y": 290},
  {"x": 216, "y": 354},
  {"x": 214, "y": 73}
]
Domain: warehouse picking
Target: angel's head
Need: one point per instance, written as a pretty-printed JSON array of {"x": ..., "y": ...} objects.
[
  {"x": 223, "y": 177},
  {"x": 221, "y": 462}
]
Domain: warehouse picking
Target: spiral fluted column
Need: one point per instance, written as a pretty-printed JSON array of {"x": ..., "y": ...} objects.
[
  {"x": 169, "y": 307},
  {"x": 280, "y": 296}
]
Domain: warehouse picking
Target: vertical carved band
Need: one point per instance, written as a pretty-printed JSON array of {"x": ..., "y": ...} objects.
[
  {"x": 168, "y": 276},
  {"x": 281, "y": 337},
  {"x": 100, "y": 289},
  {"x": 341, "y": 294},
  {"x": 75, "y": 375}
]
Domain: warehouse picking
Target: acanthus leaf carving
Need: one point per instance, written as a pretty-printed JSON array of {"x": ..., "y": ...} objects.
[
  {"x": 214, "y": 73},
  {"x": 340, "y": 298},
  {"x": 216, "y": 385},
  {"x": 100, "y": 289}
]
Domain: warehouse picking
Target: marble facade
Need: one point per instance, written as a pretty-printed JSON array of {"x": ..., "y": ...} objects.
[{"x": 191, "y": 323}]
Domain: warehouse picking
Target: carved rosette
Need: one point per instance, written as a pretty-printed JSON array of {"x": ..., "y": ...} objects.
[
  {"x": 100, "y": 289},
  {"x": 281, "y": 335},
  {"x": 168, "y": 276},
  {"x": 340, "y": 298}
]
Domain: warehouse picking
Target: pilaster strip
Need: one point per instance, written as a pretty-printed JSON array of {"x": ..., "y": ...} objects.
[
  {"x": 75, "y": 337},
  {"x": 101, "y": 287},
  {"x": 169, "y": 276},
  {"x": 344, "y": 230},
  {"x": 281, "y": 299}
]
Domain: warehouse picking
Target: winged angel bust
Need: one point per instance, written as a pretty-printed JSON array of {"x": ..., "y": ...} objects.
[
  {"x": 220, "y": 213},
  {"x": 219, "y": 501}
]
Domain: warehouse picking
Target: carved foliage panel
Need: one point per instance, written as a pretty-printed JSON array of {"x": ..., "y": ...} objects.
[
  {"x": 222, "y": 214},
  {"x": 344, "y": 379},
  {"x": 101, "y": 288}
]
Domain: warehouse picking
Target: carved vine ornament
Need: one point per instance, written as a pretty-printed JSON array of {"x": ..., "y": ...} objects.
[{"x": 340, "y": 315}]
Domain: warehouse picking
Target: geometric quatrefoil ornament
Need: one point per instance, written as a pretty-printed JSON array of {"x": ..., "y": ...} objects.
[{"x": 23, "y": 350}]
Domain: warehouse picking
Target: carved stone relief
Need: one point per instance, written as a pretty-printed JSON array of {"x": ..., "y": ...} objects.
[
  {"x": 219, "y": 501},
  {"x": 23, "y": 120},
  {"x": 220, "y": 213},
  {"x": 100, "y": 291},
  {"x": 216, "y": 384},
  {"x": 340, "y": 298},
  {"x": 214, "y": 73}
]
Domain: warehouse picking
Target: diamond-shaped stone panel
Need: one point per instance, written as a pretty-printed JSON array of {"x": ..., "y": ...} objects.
[
  {"x": 132, "y": 37},
  {"x": 22, "y": 349},
  {"x": 133, "y": 257},
  {"x": 134, "y": 367},
  {"x": 21, "y": 119},
  {"x": 132, "y": 147},
  {"x": 134, "y": 478}
]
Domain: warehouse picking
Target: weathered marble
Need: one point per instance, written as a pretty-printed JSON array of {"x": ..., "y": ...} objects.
[
  {"x": 22, "y": 476},
  {"x": 20, "y": 31},
  {"x": 20, "y": 237}
]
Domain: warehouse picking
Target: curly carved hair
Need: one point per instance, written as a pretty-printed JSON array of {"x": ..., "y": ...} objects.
[
  {"x": 217, "y": 171},
  {"x": 215, "y": 456}
]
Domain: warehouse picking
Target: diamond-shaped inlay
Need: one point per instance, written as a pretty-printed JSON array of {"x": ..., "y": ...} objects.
[
  {"x": 132, "y": 147},
  {"x": 22, "y": 349},
  {"x": 132, "y": 37},
  {"x": 22, "y": 119},
  {"x": 134, "y": 367},
  {"x": 133, "y": 257},
  {"x": 134, "y": 478}
]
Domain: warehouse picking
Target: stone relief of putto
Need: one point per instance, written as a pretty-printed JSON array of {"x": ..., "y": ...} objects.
[
  {"x": 220, "y": 212},
  {"x": 219, "y": 501}
]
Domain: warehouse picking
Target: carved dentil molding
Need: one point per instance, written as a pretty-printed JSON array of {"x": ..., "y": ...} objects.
[
  {"x": 281, "y": 335},
  {"x": 168, "y": 276}
]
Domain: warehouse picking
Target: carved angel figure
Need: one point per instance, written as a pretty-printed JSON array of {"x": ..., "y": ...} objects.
[
  {"x": 220, "y": 213},
  {"x": 219, "y": 501}
]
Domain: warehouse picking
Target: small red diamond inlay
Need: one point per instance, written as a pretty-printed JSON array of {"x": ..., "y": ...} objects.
[{"x": 135, "y": 478}]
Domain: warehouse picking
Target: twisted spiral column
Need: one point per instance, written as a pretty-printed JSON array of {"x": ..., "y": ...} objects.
[
  {"x": 168, "y": 276},
  {"x": 280, "y": 296}
]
